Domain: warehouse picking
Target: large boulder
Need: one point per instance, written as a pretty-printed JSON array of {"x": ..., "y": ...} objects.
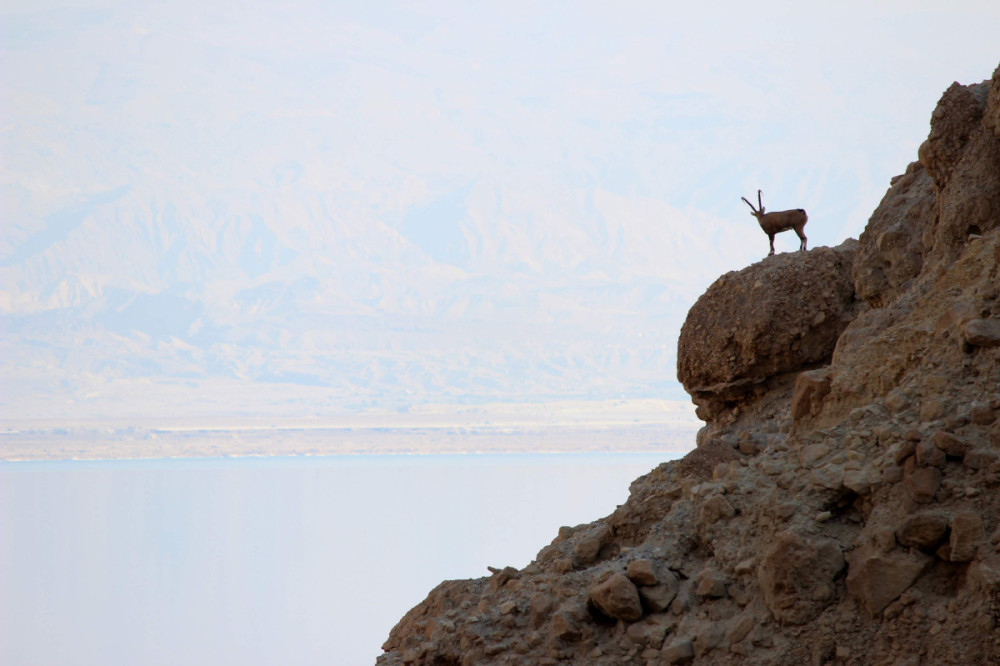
[{"x": 777, "y": 316}]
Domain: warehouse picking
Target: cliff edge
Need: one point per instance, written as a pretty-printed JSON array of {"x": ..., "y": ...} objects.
[{"x": 843, "y": 504}]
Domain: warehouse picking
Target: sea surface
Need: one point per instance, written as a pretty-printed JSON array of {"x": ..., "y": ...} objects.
[{"x": 253, "y": 561}]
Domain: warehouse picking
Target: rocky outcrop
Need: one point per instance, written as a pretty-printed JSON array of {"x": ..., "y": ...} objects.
[
  {"x": 776, "y": 317},
  {"x": 843, "y": 504}
]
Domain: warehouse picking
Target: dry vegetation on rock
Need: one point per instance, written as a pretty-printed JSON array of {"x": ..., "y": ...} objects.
[{"x": 843, "y": 504}]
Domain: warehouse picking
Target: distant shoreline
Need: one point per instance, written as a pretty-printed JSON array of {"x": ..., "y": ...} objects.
[{"x": 177, "y": 443}]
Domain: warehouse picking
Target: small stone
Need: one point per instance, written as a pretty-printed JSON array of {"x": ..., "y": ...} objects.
[
  {"x": 681, "y": 651},
  {"x": 980, "y": 458},
  {"x": 913, "y": 435},
  {"x": 876, "y": 579},
  {"x": 617, "y": 597},
  {"x": 796, "y": 576},
  {"x": 982, "y": 332},
  {"x": 862, "y": 481},
  {"x": 508, "y": 607},
  {"x": 904, "y": 451},
  {"x": 740, "y": 627},
  {"x": 642, "y": 572},
  {"x": 896, "y": 401},
  {"x": 657, "y": 598},
  {"x": 710, "y": 584},
  {"x": 922, "y": 483},
  {"x": 966, "y": 534},
  {"x": 830, "y": 477},
  {"x": 923, "y": 530},
  {"x": 716, "y": 508},
  {"x": 710, "y": 637},
  {"x": 932, "y": 409},
  {"x": 981, "y": 414},
  {"x": 812, "y": 453},
  {"x": 929, "y": 455},
  {"x": 811, "y": 388},
  {"x": 587, "y": 550},
  {"x": 785, "y": 511},
  {"x": 953, "y": 446}
]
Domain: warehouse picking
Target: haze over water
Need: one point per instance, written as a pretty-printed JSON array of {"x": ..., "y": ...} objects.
[{"x": 267, "y": 561}]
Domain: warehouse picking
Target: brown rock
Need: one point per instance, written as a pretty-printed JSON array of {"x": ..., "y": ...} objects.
[
  {"x": 954, "y": 446},
  {"x": 890, "y": 250},
  {"x": 762, "y": 321},
  {"x": 932, "y": 409},
  {"x": 797, "y": 576},
  {"x": 587, "y": 549},
  {"x": 810, "y": 389},
  {"x": 657, "y": 598},
  {"x": 980, "y": 458},
  {"x": 649, "y": 632},
  {"x": 903, "y": 451},
  {"x": 740, "y": 627},
  {"x": 967, "y": 533},
  {"x": 923, "y": 530},
  {"x": 922, "y": 483},
  {"x": 710, "y": 583},
  {"x": 716, "y": 508},
  {"x": 681, "y": 651},
  {"x": 862, "y": 481},
  {"x": 929, "y": 455},
  {"x": 876, "y": 579},
  {"x": 982, "y": 414},
  {"x": 982, "y": 332},
  {"x": 642, "y": 572},
  {"x": 617, "y": 597}
]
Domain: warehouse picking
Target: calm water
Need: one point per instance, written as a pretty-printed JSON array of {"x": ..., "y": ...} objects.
[{"x": 267, "y": 561}]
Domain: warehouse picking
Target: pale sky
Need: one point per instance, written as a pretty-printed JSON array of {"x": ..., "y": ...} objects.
[{"x": 393, "y": 203}]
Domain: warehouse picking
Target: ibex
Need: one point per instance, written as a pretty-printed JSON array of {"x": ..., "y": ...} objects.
[{"x": 775, "y": 223}]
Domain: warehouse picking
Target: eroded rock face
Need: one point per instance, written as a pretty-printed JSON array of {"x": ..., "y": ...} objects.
[
  {"x": 891, "y": 248},
  {"x": 850, "y": 517},
  {"x": 774, "y": 317}
]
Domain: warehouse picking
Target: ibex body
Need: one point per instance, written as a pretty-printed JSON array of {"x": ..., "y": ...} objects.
[{"x": 776, "y": 222}]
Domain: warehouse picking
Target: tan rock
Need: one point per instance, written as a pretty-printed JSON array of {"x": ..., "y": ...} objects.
[
  {"x": 716, "y": 508},
  {"x": 923, "y": 530},
  {"x": 810, "y": 389},
  {"x": 642, "y": 572},
  {"x": 876, "y": 579},
  {"x": 680, "y": 651},
  {"x": 967, "y": 533},
  {"x": 617, "y": 597},
  {"x": 710, "y": 583},
  {"x": 735, "y": 336},
  {"x": 922, "y": 483},
  {"x": 952, "y": 445},
  {"x": 740, "y": 627},
  {"x": 980, "y": 458},
  {"x": 932, "y": 409},
  {"x": 797, "y": 576},
  {"x": 982, "y": 332},
  {"x": 929, "y": 455},
  {"x": 657, "y": 598}
]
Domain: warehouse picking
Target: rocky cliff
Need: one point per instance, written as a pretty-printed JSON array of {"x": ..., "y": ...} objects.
[{"x": 843, "y": 503}]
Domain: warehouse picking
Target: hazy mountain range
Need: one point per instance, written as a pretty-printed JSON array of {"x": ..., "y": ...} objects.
[{"x": 403, "y": 204}]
